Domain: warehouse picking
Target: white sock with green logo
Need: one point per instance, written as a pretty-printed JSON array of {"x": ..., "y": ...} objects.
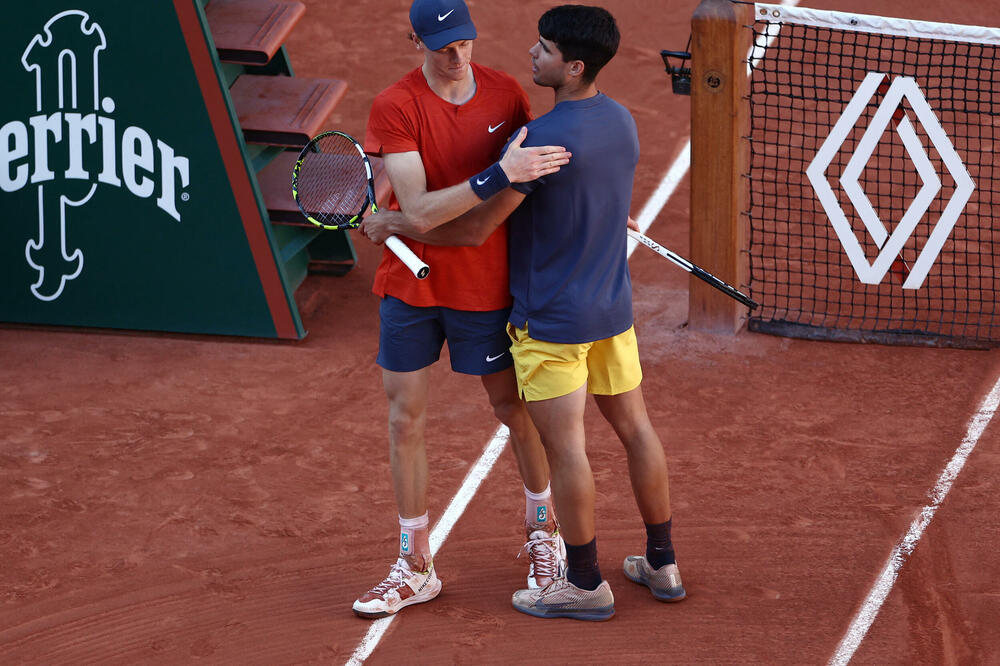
[
  {"x": 414, "y": 540},
  {"x": 538, "y": 509}
]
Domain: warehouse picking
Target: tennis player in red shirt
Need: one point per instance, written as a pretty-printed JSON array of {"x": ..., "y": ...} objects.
[{"x": 440, "y": 131}]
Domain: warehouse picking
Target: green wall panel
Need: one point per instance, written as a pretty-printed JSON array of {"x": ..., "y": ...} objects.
[{"x": 119, "y": 204}]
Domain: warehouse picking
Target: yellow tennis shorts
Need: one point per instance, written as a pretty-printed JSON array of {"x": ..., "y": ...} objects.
[{"x": 551, "y": 369}]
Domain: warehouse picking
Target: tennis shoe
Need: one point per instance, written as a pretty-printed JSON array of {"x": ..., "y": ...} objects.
[
  {"x": 401, "y": 588},
  {"x": 561, "y": 598},
  {"x": 546, "y": 557},
  {"x": 665, "y": 582}
]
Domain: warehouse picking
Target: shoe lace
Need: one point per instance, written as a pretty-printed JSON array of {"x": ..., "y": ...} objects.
[
  {"x": 396, "y": 578},
  {"x": 555, "y": 586},
  {"x": 542, "y": 555}
]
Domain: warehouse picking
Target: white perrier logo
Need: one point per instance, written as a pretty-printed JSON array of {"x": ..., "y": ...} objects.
[{"x": 73, "y": 144}]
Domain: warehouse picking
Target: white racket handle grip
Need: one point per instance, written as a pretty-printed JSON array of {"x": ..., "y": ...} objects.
[{"x": 405, "y": 254}]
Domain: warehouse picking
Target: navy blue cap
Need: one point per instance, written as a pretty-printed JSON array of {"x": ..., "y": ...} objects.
[{"x": 441, "y": 22}]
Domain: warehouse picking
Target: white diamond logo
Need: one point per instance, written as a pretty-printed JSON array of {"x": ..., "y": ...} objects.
[{"x": 902, "y": 87}]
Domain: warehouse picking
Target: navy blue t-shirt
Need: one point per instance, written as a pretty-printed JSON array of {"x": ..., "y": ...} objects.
[{"x": 568, "y": 264}]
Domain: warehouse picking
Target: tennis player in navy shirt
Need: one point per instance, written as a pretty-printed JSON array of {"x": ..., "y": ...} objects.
[
  {"x": 571, "y": 323},
  {"x": 568, "y": 274}
]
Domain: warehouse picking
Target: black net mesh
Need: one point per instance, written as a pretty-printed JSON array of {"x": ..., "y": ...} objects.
[{"x": 802, "y": 79}]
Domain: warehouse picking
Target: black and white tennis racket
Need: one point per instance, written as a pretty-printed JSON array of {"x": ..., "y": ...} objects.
[
  {"x": 694, "y": 270},
  {"x": 334, "y": 186}
]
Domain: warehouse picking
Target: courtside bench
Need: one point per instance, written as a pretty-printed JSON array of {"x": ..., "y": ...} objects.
[{"x": 278, "y": 113}]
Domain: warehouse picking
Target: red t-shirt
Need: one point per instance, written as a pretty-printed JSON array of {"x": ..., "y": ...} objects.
[{"x": 455, "y": 142}]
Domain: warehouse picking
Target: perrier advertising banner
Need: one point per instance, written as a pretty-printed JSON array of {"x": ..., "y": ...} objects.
[{"x": 125, "y": 200}]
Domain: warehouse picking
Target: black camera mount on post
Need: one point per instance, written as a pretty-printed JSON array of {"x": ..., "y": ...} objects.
[{"x": 680, "y": 74}]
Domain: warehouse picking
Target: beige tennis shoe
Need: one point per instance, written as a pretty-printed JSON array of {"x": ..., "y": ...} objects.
[
  {"x": 561, "y": 598},
  {"x": 665, "y": 582}
]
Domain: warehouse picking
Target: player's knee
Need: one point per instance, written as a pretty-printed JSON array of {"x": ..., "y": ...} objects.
[
  {"x": 405, "y": 425},
  {"x": 643, "y": 442},
  {"x": 510, "y": 411}
]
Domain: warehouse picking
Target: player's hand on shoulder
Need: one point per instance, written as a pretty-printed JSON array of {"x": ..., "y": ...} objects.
[
  {"x": 379, "y": 226},
  {"x": 523, "y": 164}
]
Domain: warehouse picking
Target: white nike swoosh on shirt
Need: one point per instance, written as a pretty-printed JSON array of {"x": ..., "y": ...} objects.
[
  {"x": 483, "y": 181},
  {"x": 494, "y": 129},
  {"x": 490, "y": 359},
  {"x": 441, "y": 18}
]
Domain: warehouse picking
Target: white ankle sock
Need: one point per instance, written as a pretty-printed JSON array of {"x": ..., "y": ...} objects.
[
  {"x": 538, "y": 509},
  {"x": 414, "y": 540}
]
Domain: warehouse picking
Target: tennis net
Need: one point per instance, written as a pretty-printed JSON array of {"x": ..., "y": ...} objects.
[{"x": 873, "y": 178}]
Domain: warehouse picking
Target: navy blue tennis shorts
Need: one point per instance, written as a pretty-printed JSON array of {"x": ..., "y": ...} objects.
[{"x": 411, "y": 338}]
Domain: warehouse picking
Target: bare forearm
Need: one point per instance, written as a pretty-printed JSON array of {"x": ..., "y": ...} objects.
[
  {"x": 467, "y": 232},
  {"x": 426, "y": 210},
  {"x": 430, "y": 210},
  {"x": 468, "y": 229},
  {"x": 475, "y": 226}
]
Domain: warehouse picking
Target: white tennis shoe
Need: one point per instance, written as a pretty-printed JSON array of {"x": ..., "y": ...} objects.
[
  {"x": 401, "y": 588},
  {"x": 546, "y": 558}
]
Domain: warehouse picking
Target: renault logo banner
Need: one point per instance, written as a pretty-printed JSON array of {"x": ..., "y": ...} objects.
[{"x": 890, "y": 244}]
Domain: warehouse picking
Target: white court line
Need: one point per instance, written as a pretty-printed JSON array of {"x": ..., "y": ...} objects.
[
  {"x": 883, "y": 585},
  {"x": 877, "y": 596},
  {"x": 441, "y": 530},
  {"x": 663, "y": 193},
  {"x": 495, "y": 447}
]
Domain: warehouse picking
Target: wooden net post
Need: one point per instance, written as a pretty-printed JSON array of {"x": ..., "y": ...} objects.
[{"x": 720, "y": 42}]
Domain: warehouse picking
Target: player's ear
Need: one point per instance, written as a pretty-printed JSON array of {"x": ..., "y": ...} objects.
[
  {"x": 412, "y": 36},
  {"x": 576, "y": 68}
]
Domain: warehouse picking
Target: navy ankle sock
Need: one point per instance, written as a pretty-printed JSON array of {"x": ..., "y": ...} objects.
[
  {"x": 659, "y": 549},
  {"x": 581, "y": 565}
]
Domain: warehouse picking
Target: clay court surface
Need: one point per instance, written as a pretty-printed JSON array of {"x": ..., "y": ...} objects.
[{"x": 193, "y": 499}]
